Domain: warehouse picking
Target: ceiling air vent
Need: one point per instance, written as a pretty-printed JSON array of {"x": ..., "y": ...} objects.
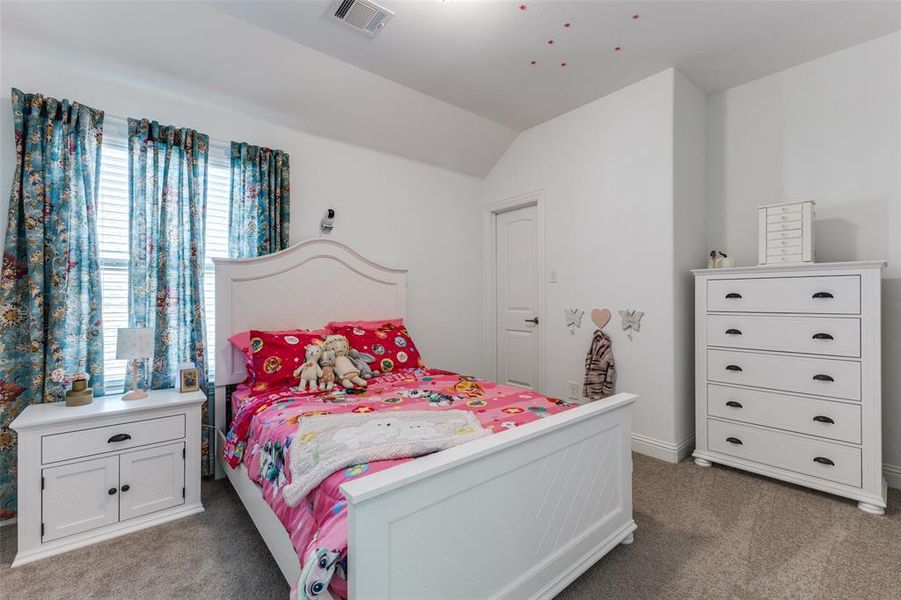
[{"x": 362, "y": 15}]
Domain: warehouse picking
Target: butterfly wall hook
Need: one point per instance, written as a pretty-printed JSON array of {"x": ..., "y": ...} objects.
[
  {"x": 573, "y": 318},
  {"x": 631, "y": 321}
]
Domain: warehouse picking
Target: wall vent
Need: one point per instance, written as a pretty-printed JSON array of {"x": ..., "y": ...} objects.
[{"x": 362, "y": 15}]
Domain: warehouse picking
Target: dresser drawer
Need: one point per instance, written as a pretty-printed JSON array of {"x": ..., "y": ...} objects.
[
  {"x": 819, "y": 376},
  {"x": 826, "y": 460},
  {"x": 823, "y": 418},
  {"x": 839, "y": 294},
  {"x": 809, "y": 335},
  {"x": 86, "y": 442}
]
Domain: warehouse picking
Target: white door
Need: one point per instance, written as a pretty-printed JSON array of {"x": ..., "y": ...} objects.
[
  {"x": 518, "y": 329},
  {"x": 79, "y": 496},
  {"x": 151, "y": 480}
]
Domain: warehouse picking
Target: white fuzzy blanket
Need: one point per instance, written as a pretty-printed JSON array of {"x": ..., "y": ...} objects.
[{"x": 327, "y": 443}]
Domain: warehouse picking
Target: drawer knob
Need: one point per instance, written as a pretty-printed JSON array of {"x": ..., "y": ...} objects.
[
  {"x": 733, "y": 296},
  {"x": 733, "y": 332},
  {"x": 736, "y": 441},
  {"x": 111, "y": 491},
  {"x": 823, "y": 336},
  {"x": 126, "y": 487},
  {"x": 824, "y": 461},
  {"x": 820, "y": 295},
  {"x": 734, "y": 404},
  {"x": 733, "y": 368},
  {"x": 821, "y": 377},
  {"x": 822, "y": 419},
  {"x": 119, "y": 437}
]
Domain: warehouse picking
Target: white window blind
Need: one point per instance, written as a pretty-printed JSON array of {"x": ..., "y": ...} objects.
[{"x": 112, "y": 229}]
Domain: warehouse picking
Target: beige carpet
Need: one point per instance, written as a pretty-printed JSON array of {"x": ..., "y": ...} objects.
[{"x": 702, "y": 533}]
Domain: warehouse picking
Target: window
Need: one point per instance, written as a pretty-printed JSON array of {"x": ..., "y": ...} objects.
[{"x": 112, "y": 229}]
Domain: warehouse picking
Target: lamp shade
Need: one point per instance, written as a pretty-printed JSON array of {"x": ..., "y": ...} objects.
[{"x": 134, "y": 343}]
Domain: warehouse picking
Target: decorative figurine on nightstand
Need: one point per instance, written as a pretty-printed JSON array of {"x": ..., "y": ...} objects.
[
  {"x": 80, "y": 394},
  {"x": 134, "y": 344}
]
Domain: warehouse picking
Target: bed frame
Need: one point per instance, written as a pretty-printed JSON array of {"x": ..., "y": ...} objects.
[{"x": 518, "y": 514}]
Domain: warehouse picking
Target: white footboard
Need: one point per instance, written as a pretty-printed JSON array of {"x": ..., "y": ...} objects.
[{"x": 515, "y": 515}]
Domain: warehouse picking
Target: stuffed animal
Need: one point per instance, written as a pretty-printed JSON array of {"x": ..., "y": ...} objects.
[
  {"x": 310, "y": 371},
  {"x": 327, "y": 362},
  {"x": 347, "y": 374},
  {"x": 361, "y": 361}
]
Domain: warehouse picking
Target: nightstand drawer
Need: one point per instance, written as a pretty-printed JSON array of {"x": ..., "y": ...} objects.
[{"x": 87, "y": 442}]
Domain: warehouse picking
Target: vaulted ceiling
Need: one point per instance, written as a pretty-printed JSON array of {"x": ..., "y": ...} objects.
[{"x": 521, "y": 62}]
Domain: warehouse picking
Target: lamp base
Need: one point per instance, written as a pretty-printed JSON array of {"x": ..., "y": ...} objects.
[{"x": 135, "y": 395}]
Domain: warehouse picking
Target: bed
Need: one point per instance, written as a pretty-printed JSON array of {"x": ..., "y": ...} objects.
[{"x": 438, "y": 526}]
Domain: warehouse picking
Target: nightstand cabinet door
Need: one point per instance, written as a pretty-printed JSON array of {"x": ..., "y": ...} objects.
[
  {"x": 151, "y": 480},
  {"x": 80, "y": 496}
]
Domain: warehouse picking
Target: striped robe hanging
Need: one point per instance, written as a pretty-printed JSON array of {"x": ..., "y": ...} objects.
[{"x": 600, "y": 370}]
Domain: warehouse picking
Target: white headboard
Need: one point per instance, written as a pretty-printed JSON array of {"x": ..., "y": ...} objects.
[{"x": 304, "y": 286}]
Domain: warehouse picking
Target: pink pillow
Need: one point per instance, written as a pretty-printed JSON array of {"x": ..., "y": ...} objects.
[
  {"x": 397, "y": 322},
  {"x": 389, "y": 343},
  {"x": 276, "y": 355}
]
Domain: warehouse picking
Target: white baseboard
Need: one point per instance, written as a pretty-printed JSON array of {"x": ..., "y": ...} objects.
[
  {"x": 892, "y": 475},
  {"x": 662, "y": 450}
]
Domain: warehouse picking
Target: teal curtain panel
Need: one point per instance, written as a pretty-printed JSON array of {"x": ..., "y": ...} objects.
[
  {"x": 167, "y": 172},
  {"x": 260, "y": 201},
  {"x": 50, "y": 304}
]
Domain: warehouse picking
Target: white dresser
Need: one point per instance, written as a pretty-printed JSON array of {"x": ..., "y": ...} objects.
[
  {"x": 89, "y": 473},
  {"x": 788, "y": 375}
]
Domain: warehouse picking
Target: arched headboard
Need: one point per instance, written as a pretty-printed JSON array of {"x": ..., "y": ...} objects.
[{"x": 304, "y": 286}]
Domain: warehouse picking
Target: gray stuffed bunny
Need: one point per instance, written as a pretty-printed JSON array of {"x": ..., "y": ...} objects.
[{"x": 361, "y": 362}]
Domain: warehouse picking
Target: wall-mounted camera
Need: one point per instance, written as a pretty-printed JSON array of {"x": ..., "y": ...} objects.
[{"x": 328, "y": 222}]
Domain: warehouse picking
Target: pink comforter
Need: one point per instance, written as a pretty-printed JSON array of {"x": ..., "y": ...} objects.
[{"x": 261, "y": 435}]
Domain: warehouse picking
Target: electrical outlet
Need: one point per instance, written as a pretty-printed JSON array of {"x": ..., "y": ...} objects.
[{"x": 573, "y": 390}]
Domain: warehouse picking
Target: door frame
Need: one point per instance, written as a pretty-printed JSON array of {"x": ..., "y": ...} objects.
[{"x": 489, "y": 281}]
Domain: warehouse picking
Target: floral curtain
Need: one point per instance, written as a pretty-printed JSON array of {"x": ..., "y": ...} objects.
[
  {"x": 50, "y": 303},
  {"x": 168, "y": 190},
  {"x": 260, "y": 201}
]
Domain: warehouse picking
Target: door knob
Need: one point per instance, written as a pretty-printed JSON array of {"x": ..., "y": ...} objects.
[{"x": 533, "y": 320}]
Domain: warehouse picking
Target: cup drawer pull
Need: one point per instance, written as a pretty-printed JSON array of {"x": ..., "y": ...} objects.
[
  {"x": 119, "y": 437},
  {"x": 822, "y": 419},
  {"x": 822, "y": 336},
  {"x": 822, "y": 295},
  {"x": 733, "y": 368},
  {"x": 733, "y": 296},
  {"x": 733, "y": 332},
  {"x": 734, "y": 440},
  {"x": 734, "y": 404},
  {"x": 824, "y": 461},
  {"x": 821, "y": 377}
]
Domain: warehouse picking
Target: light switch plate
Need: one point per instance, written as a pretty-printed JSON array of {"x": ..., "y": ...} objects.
[{"x": 552, "y": 275}]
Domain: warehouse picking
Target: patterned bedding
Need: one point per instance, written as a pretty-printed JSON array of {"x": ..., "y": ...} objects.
[{"x": 261, "y": 434}]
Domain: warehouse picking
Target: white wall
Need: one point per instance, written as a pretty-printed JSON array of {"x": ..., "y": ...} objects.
[
  {"x": 828, "y": 130},
  {"x": 606, "y": 171},
  {"x": 690, "y": 243},
  {"x": 399, "y": 211}
]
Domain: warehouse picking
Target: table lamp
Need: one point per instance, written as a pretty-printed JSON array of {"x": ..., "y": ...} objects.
[{"x": 134, "y": 344}]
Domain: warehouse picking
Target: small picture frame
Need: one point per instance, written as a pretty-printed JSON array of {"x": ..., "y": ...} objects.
[{"x": 188, "y": 380}]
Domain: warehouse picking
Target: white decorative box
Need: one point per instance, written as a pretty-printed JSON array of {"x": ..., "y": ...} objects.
[{"x": 785, "y": 233}]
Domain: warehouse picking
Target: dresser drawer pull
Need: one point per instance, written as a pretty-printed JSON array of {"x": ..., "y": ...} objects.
[
  {"x": 822, "y": 419},
  {"x": 823, "y": 336},
  {"x": 733, "y": 368},
  {"x": 734, "y": 440},
  {"x": 820, "y": 295},
  {"x": 733, "y": 296},
  {"x": 119, "y": 437},
  {"x": 111, "y": 491},
  {"x": 126, "y": 487},
  {"x": 821, "y": 377},
  {"x": 733, "y": 332},
  {"x": 734, "y": 404},
  {"x": 824, "y": 461}
]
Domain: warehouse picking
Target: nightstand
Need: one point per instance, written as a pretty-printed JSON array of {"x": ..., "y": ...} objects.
[{"x": 91, "y": 473}]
